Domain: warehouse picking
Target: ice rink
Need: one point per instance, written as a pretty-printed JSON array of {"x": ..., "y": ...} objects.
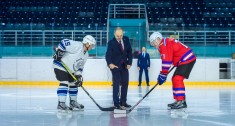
[{"x": 36, "y": 106}]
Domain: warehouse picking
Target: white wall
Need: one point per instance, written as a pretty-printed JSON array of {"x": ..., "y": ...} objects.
[{"x": 96, "y": 70}]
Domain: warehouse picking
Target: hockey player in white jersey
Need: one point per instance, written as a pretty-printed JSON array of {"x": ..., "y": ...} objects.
[{"x": 74, "y": 54}]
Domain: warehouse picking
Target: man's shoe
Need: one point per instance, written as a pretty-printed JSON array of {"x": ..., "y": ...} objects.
[
  {"x": 139, "y": 84},
  {"x": 126, "y": 105},
  {"x": 119, "y": 107}
]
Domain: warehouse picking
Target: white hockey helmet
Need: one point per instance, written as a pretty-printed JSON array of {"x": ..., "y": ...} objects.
[
  {"x": 89, "y": 39},
  {"x": 153, "y": 37}
]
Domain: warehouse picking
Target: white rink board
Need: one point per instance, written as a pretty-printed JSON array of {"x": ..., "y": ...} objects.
[{"x": 97, "y": 70}]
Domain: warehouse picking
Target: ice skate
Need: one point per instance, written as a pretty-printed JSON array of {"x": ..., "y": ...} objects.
[
  {"x": 170, "y": 105},
  {"x": 74, "y": 105},
  {"x": 63, "y": 108},
  {"x": 177, "y": 105},
  {"x": 179, "y": 109}
]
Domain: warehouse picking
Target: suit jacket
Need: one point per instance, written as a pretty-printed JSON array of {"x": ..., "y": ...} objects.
[
  {"x": 143, "y": 61},
  {"x": 115, "y": 55}
]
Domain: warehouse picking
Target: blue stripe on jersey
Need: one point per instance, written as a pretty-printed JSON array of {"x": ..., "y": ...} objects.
[
  {"x": 179, "y": 89},
  {"x": 166, "y": 65},
  {"x": 58, "y": 63},
  {"x": 165, "y": 68},
  {"x": 164, "y": 42},
  {"x": 80, "y": 69},
  {"x": 167, "y": 62},
  {"x": 185, "y": 55},
  {"x": 61, "y": 45},
  {"x": 191, "y": 57}
]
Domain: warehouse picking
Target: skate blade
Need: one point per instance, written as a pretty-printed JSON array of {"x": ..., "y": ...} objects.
[
  {"x": 64, "y": 111},
  {"x": 77, "y": 109},
  {"x": 62, "y": 115},
  {"x": 179, "y": 110},
  {"x": 179, "y": 113}
]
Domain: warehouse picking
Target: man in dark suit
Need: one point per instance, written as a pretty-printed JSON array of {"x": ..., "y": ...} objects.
[
  {"x": 143, "y": 63},
  {"x": 119, "y": 60}
]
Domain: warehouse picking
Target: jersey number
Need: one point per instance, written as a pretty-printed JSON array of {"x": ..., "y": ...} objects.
[{"x": 66, "y": 43}]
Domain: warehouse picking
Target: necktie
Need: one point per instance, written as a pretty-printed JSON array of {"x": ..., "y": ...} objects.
[
  {"x": 143, "y": 54},
  {"x": 120, "y": 43}
]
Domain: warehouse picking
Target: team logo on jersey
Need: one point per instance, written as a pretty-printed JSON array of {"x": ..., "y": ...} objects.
[{"x": 78, "y": 64}]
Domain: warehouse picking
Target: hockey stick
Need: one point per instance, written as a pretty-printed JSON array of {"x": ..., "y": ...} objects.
[
  {"x": 101, "y": 108},
  {"x": 117, "y": 111}
]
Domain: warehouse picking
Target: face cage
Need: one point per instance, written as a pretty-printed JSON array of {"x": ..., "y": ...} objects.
[
  {"x": 151, "y": 43},
  {"x": 91, "y": 45}
]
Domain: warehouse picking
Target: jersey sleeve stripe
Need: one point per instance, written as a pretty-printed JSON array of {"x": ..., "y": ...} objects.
[
  {"x": 61, "y": 45},
  {"x": 166, "y": 62},
  {"x": 187, "y": 56},
  {"x": 166, "y": 66},
  {"x": 164, "y": 42},
  {"x": 57, "y": 63}
]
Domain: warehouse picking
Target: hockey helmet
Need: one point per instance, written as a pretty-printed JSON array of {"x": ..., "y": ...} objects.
[
  {"x": 89, "y": 39},
  {"x": 153, "y": 37}
]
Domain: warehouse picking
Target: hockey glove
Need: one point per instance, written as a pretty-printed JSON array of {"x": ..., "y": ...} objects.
[
  {"x": 79, "y": 80},
  {"x": 161, "y": 78},
  {"x": 58, "y": 55}
]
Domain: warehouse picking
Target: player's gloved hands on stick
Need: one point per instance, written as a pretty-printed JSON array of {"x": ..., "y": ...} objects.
[
  {"x": 58, "y": 55},
  {"x": 79, "y": 80},
  {"x": 161, "y": 78}
]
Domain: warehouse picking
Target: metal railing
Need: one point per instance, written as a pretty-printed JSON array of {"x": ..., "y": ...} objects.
[
  {"x": 203, "y": 38},
  {"x": 17, "y": 42},
  {"x": 47, "y": 37}
]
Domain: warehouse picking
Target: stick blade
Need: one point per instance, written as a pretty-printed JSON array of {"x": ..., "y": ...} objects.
[
  {"x": 107, "y": 109},
  {"x": 119, "y": 111}
]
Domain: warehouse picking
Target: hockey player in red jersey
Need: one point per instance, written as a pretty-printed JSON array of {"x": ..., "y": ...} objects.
[{"x": 173, "y": 52}]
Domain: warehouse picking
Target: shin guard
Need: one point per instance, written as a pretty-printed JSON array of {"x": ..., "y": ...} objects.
[{"x": 178, "y": 87}]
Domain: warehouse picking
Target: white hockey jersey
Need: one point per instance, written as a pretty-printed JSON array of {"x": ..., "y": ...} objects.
[{"x": 74, "y": 56}]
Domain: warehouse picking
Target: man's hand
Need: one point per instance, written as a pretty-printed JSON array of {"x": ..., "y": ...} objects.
[
  {"x": 128, "y": 66},
  {"x": 112, "y": 66},
  {"x": 138, "y": 68},
  {"x": 58, "y": 55},
  {"x": 161, "y": 78},
  {"x": 79, "y": 80}
]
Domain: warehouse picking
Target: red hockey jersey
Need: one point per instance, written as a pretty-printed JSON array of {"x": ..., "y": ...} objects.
[{"x": 174, "y": 52}]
